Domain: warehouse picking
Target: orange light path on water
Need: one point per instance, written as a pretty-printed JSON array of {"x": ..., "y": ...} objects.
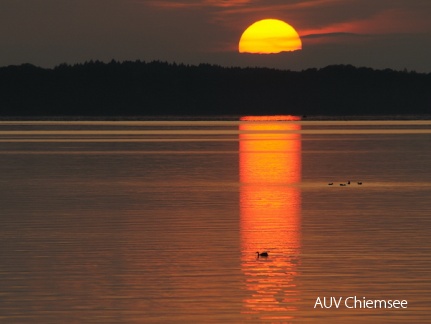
[
  {"x": 270, "y": 200},
  {"x": 270, "y": 118}
]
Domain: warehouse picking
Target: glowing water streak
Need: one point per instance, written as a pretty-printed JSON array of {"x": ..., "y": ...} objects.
[{"x": 270, "y": 206}]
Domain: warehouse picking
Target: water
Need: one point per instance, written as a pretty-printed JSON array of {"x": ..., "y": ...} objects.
[{"x": 160, "y": 221}]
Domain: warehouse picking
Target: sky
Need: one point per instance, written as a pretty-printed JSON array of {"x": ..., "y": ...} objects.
[{"x": 380, "y": 34}]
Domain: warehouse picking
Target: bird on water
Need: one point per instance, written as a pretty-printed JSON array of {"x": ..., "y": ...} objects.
[{"x": 263, "y": 254}]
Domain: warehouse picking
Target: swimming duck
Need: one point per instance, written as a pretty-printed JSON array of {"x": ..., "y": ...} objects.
[{"x": 263, "y": 254}]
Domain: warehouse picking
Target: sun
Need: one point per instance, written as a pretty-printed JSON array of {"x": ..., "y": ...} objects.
[{"x": 269, "y": 36}]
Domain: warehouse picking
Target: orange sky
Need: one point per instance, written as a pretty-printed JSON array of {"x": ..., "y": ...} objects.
[{"x": 379, "y": 34}]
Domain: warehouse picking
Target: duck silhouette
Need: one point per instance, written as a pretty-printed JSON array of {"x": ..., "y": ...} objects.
[{"x": 263, "y": 254}]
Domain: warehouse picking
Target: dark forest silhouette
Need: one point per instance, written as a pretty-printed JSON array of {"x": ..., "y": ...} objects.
[{"x": 159, "y": 88}]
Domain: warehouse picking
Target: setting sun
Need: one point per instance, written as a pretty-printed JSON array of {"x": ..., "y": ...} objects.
[{"x": 269, "y": 36}]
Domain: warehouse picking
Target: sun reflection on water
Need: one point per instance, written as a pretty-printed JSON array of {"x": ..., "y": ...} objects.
[{"x": 270, "y": 202}]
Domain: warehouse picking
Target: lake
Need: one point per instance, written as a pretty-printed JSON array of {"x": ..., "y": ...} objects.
[{"x": 160, "y": 221}]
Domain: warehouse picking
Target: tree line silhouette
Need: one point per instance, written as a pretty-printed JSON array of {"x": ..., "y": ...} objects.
[{"x": 160, "y": 89}]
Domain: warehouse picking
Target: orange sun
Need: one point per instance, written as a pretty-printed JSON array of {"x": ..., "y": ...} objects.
[{"x": 269, "y": 36}]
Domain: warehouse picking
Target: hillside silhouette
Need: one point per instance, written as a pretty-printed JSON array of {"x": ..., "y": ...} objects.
[{"x": 159, "y": 88}]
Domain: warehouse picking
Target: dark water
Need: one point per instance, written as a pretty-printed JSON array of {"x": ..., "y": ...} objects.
[{"x": 159, "y": 222}]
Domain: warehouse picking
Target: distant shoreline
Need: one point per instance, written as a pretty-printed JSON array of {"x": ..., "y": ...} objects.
[
  {"x": 157, "y": 90},
  {"x": 210, "y": 118}
]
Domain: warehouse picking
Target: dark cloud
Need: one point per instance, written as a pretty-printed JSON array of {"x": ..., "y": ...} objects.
[{"x": 331, "y": 35}]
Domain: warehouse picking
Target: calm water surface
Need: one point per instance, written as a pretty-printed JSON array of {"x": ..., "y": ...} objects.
[{"x": 159, "y": 222}]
